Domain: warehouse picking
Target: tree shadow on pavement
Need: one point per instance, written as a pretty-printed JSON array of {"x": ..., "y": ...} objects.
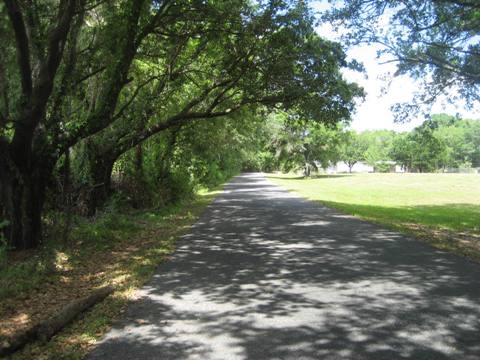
[{"x": 266, "y": 275}]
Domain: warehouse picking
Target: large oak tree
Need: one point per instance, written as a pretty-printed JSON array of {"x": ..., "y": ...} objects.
[{"x": 115, "y": 73}]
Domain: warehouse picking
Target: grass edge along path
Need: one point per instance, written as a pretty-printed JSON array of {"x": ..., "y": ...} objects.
[
  {"x": 465, "y": 243},
  {"x": 137, "y": 255}
]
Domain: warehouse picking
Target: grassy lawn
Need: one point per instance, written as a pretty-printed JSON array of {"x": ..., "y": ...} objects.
[
  {"x": 116, "y": 249},
  {"x": 443, "y": 209}
]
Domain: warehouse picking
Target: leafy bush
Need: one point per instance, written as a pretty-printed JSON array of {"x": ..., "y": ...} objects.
[
  {"x": 104, "y": 230},
  {"x": 383, "y": 167}
]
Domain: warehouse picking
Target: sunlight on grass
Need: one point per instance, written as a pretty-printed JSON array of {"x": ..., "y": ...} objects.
[
  {"x": 450, "y": 201},
  {"x": 444, "y": 209}
]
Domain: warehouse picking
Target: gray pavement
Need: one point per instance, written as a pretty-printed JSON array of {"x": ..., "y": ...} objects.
[{"x": 264, "y": 274}]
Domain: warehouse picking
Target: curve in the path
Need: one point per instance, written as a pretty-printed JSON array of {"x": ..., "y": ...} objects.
[{"x": 266, "y": 275}]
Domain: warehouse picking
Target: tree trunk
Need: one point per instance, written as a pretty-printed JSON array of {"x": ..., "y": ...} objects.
[
  {"x": 99, "y": 160},
  {"x": 101, "y": 176},
  {"x": 23, "y": 197},
  {"x": 48, "y": 328},
  {"x": 6, "y": 176},
  {"x": 306, "y": 170},
  {"x": 66, "y": 198},
  {"x": 139, "y": 162}
]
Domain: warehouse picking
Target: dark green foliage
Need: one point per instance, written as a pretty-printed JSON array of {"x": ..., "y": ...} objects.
[
  {"x": 176, "y": 164},
  {"x": 98, "y": 80}
]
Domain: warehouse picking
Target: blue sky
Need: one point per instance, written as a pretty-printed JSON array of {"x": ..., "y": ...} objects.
[{"x": 382, "y": 89}]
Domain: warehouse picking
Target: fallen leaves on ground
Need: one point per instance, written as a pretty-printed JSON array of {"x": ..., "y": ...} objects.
[{"x": 118, "y": 265}]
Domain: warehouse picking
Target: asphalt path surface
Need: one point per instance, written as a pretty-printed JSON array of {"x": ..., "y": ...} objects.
[{"x": 265, "y": 274}]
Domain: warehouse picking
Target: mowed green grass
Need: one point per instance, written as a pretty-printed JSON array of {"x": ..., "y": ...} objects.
[{"x": 436, "y": 201}]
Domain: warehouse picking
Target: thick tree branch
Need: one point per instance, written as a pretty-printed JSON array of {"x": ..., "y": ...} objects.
[
  {"x": 22, "y": 45},
  {"x": 34, "y": 111},
  {"x": 153, "y": 23},
  {"x": 133, "y": 97}
]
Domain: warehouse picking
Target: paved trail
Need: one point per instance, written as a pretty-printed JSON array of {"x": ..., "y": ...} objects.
[{"x": 267, "y": 275}]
